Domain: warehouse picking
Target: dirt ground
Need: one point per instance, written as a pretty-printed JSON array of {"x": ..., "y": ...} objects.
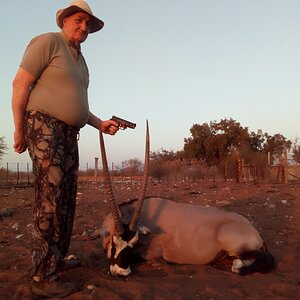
[{"x": 273, "y": 208}]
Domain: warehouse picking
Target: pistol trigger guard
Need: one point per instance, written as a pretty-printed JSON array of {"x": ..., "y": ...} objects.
[{"x": 122, "y": 126}]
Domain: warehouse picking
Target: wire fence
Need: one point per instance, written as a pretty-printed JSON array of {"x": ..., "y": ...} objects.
[
  {"x": 21, "y": 174},
  {"x": 16, "y": 173}
]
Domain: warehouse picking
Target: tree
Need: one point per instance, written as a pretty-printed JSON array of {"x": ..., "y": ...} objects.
[
  {"x": 296, "y": 152},
  {"x": 217, "y": 142},
  {"x": 214, "y": 142},
  {"x": 163, "y": 156},
  {"x": 3, "y": 147},
  {"x": 257, "y": 140},
  {"x": 132, "y": 166},
  {"x": 194, "y": 147},
  {"x": 160, "y": 162},
  {"x": 233, "y": 134},
  {"x": 276, "y": 145}
]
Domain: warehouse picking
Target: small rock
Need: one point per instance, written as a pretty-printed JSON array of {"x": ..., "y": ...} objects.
[
  {"x": 15, "y": 226},
  {"x": 90, "y": 287}
]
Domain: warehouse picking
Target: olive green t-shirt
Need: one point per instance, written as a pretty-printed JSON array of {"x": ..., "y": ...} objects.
[{"x": 61, "y": 78}]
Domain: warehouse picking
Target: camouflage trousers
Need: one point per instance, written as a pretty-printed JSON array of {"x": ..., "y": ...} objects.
[{"x": 52, "y": 146}]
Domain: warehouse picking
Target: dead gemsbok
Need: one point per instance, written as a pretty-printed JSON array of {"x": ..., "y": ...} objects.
[{"x": 157, "y": 228}]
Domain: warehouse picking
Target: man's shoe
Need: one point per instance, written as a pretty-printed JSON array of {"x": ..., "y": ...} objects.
[
  {"x": 67, "y": 264},
  {"x": 55, "y": 289},
  {"x": 72, "y": 262}
]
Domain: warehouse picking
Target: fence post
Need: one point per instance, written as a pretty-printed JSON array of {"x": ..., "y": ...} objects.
[
  {"x": 238, "y": 169},
  {"x": 27, "y": 171},
  {"x": 96, "y": 168},
  {"x": 285, "y": 166},
  {"x": 269, "y": 168},
  {"x": 18, "y": 174},
  {"x": 6, "y": 173}
]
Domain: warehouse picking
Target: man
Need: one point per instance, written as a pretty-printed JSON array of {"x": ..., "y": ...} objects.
[{"x": 50, "y": 105}]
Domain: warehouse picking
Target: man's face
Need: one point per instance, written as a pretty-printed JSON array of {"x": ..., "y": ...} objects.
[{"x": 77, "y": 27}]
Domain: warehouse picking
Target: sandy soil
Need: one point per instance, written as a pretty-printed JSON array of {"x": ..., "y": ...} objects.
[{"x": 274, "y": 209}]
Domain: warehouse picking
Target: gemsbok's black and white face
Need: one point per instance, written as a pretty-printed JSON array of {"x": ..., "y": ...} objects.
[{"x": 119, "y": 252}]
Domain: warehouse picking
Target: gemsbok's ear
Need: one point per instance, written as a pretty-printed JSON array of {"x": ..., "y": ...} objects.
[
  {"x": 143, "y": 229},
  {"x": 105, "y": 242}
]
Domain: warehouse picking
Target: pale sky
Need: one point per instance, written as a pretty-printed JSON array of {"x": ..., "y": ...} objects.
[{"x": 175, "y": 63}]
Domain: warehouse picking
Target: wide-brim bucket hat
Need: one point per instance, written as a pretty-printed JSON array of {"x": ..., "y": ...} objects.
[{"x": 78, "y": 6}]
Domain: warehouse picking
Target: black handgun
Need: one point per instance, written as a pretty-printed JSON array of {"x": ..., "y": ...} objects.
[{"x": 123, "y": 123}]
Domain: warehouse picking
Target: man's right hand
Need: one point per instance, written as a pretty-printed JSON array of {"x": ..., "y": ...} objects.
[
  {"x": 20, "y": 143},
  {"x": 109, "y": 127}
]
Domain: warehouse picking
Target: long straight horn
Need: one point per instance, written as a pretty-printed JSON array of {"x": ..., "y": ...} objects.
[
  {"x": 136, "y": 215},
  {"x": 108, "y": 187}
]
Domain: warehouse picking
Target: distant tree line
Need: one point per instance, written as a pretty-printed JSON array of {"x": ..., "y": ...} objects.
[
  {"x": 219, "y": 144},
  {"x": 215, "y": 141}
]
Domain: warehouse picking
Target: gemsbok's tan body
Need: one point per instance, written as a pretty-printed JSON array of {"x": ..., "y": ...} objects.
[
  {"x": 157, "y": 228},
  {"x": 192, "y": 234}
]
